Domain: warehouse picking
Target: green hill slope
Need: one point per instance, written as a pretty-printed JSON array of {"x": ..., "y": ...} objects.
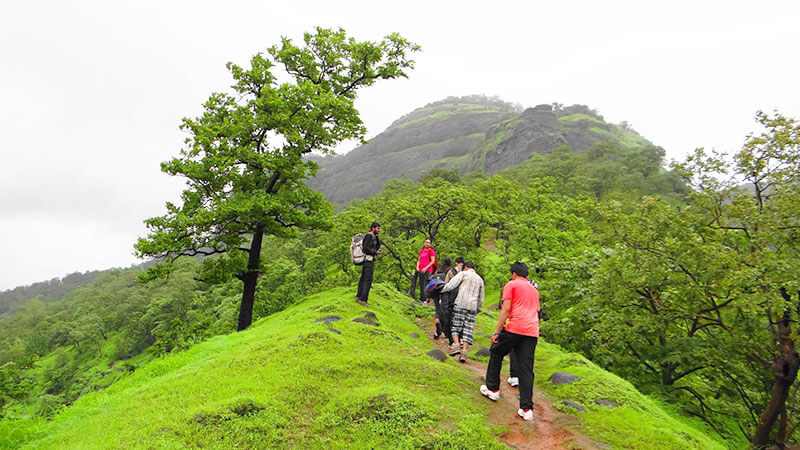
[{"x": 292, "y": 381}]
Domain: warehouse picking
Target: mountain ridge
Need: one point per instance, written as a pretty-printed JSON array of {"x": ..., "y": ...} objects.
[{"x": 473, "y": 133}]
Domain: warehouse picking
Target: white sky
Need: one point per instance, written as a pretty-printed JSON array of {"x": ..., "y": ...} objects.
[{"x": 92, "y": 92}]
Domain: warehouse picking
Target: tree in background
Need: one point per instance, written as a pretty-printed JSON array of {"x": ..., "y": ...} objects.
[
  {"x": 699, "y": 299},
  {"x": 244, "y": 157}
]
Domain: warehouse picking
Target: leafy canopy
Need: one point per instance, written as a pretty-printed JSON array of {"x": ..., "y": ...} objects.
[{"x": 244, "y": 156}]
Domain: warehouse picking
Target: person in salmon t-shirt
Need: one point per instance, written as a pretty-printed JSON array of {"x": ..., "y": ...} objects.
[
  {"x": 519, "y": 334},
  {"x": 426, "y": 265}
]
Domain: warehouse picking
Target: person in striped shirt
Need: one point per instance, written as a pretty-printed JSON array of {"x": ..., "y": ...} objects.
[{"x": 468, "y": 304}]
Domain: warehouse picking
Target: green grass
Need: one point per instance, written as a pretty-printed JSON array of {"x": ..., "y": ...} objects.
[
  {"x": 637, "y": 422},
  {"x": 457, "y": 110},
  {"x": 290, "y": 382},
  {"x": 286, "y": 381},
  {"x": 580, "y": 117}
]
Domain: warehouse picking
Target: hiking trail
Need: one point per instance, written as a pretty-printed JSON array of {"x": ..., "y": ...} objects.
[{"x": 549, "y": 427}]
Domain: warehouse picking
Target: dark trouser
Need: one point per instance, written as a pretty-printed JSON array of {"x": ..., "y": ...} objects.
[
  {"x": 441, "y": 310},
  {"x": 444, "y": 308},
  {"x": 522, "y": 348},
  {"x": 424, "y": 278},
  {"x": 512, "y": 366},
  {"x": 365, "y": 282}
]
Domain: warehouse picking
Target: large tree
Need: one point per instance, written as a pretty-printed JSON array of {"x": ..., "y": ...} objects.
[
  {"x": 244, "y": 156},
  {"x": 701, "y": 298}
]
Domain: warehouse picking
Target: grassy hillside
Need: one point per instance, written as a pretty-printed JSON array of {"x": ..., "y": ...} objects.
[{"x": 291, "y": 381}]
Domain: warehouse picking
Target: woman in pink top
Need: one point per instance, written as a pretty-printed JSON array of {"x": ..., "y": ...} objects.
[{"x": 426, "y": 265}]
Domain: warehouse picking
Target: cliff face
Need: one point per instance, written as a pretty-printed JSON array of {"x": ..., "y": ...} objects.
[
  {"x": 441, "y": 134},
  {"x": 468, "y": 133}
]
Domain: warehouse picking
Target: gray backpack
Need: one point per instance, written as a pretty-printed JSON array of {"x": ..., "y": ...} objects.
[{"x": 357, "y": 249}]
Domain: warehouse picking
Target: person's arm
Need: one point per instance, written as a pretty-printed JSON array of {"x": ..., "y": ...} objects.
[
  {"x": 501, "y": 320},
  {"x": 480, "y": 296},
  {"x": 452, "y": 284}
]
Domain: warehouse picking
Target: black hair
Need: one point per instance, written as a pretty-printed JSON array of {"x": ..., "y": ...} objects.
[
  {"x": 375, "y": 224},
  {"x": 446, "y": 262},
  {"x": 460, "y": 260},
  {"x": 470, "y": 264},
  {"x": 520, "y": 269}
]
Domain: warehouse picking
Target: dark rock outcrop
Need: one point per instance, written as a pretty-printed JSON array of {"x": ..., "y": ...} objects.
[
  {"x": 605, "y": 402},
  {"x": 365, "y": 321},
  {"x": 328, "y": 319},
  {"x": 437, "y": 354},
  {"x": 563, "y": 378},
  {"x": 483, "y": 352},
  {"x": 574, "y": 405}
]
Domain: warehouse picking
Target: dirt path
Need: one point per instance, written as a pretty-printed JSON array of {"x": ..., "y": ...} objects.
[{"x": 549, "y": 427}]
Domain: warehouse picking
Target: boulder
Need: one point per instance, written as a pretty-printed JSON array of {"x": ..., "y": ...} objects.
[
  {"x": 563, "y": 378},
  {"x": 328, "y": 319},
  {"x": 605, "y": 402},
  {"x": 371, "y": 316},
  {"x": 414, "y": 336},
  {"x": 574, "y": 405},
  {"x": 437, "y": 354},
  {"x": 365, "y": 321},
  {"x": 482, "y": 352}
]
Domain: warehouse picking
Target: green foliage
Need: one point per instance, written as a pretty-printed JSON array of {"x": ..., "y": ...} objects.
[
  {"x": 695, "y": 301},
  {"x": 244, "y": 157},
  {"x": 605, "y": 170}
]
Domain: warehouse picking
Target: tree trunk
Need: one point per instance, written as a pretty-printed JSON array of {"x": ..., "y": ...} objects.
[
  {"x": 785, "y": 370},
  {"x": 249, "y": 279}
]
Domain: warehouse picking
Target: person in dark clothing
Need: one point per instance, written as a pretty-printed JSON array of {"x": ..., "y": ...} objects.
[
  {"x": 372, "y": 248},
  {"x": 444, "y": 302},
  {"x": 448, "y": 300}
]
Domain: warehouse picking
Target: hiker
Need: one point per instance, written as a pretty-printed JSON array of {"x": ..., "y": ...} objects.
[
  {"x": 372, "y": 248},
  {"x": 426, "y": 265},
  {"x": 459, "y": 264},
  {"x": 513, "y": 375},
  {"x": 441, "y": 301},
  {"x": 468, "y": 304},
  {"x": 448, "y": 300},
  {"x": 519, "y": 335}
]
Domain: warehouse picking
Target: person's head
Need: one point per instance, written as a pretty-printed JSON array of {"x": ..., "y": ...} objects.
[
  {"x": 469, "y": 265},
  {"x": 426, "y": 243},
  {"x": 375, "y": 228},
  {"x": 518, "y": 269},
  {"x": 460, "y": 261},
  {"x": 446, "y": 262}
]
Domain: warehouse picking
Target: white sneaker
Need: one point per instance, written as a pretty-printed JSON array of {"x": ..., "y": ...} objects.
[
  {"x": 526, "y": 414},
  {"x": 513, "y": 381},
  {"x": 491, "y": 395}
]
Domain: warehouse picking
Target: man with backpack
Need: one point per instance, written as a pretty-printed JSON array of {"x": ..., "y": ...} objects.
[
  {"x": 371, "y": 247},
  {"x": 519, "y": 335}
]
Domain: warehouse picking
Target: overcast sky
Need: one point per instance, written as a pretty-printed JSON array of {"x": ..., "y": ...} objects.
[{"x": 93, "y": 91}]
